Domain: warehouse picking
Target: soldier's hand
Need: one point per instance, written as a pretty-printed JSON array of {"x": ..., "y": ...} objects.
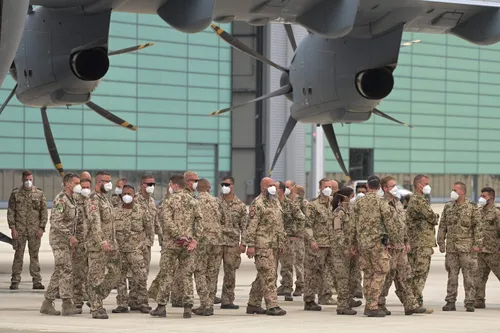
[
  {"x": 293, "y": 238},
  {"x": 442, "y": 249},
  {"x": 315, "y": 246},
  {"x": 106, "y": 247},
  {"x": 250, "y": 252},
  {"x": 14, "y": 233},
  {"x": 39, "y": 233},
  {"x": 354, "y": 252},
  {"x": 192, "y": 245},
  {"x": 243, "y": 248},
  {"x": 407, "y": 248},
  {"x": 476, "y": 249},
  {"x": 73, "y": 241}
]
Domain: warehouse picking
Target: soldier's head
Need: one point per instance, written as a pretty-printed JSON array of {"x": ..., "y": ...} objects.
[
  {"x": 290, "y": 188},
  {"x": 301, "y": 192},
  {"x": 128, "y": 192},
  {"x": 325, "y": 187},
  {"x": 388, "y": 184},
  {"x": 103, "y": 182},
  {"x": 460, "y": 189},
  {"x": 342, "y": 197},
  {"x": 361, "y": 188},
  {"x": 86, "y": 189},
  {"x": 85, "y": 175},
  {"x": 373, "y": 184},
  {"x": 488, "y": 196},
  {"x": 268, "y": 187},
  {"x": 204, "y": 186},
  {"x": 71, "y": 183},
  {"x": 335, "y": 186},
  {"x": 191, "y": 179},
  {"x": 421, "y": 184},
  {"x": 177, "y": 183},
  {"x": 119, "y": 185},
  {"x": 227, "y": 185},
  {"x": 27, "y": 177},
  {"x": 147, "y": 185},
  {"x": 280, "y": 189}
]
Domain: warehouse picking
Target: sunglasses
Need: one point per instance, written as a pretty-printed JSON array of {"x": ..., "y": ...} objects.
[
  {"x": 150, "y": 184},
  {"x": 225, "y": 184}
]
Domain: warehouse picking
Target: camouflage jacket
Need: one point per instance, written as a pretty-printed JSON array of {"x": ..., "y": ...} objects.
[
  {"x": 421, "y": 221},
  {"x": 81, "y": 203},
  {"x": 490, "y": 220},
  {"x": 148, "y": 205},
  {"x": 133, "y": 228},
  {"x": 399, "y": 235},
  {"x": 100, "y": 225},
  {"x": 159, "y": 217},
  {"x": 302, "y": 203},
  {"x": 182, "y": 217},
  {"x": 27, "y": 210},
  {"x": 293, "y": 218},
  {"x": 339, "y": 230},
  {"x": 214, "y": 218},
  {"x": 233, "y": 231},
  {"x": 460, "y": 227},
  {"x": 265, "y": 228},
  {"x": 318, "y": 215},
  {"x": 116, "y": 200},
  {"x": 63, "y": 218},
  {"x": 370, "y": 220}
]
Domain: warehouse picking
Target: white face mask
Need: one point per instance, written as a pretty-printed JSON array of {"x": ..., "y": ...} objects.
[
  {"x": 482, "y": 202},
  {"x": 195, "y": 186},
  {"x": 287, "y": 192},
  {"x": 226, "y": 190},
  {"x": 352, "y": 201},
  {"x": 170, "y": 190},
  {"x": 454, "y": 195},
  {"x": 327, "y": 191},
  {"x": 118, "y": 191},
  {"x": 108, "y": 187},
  {"x": 85, "y": 192},
  {"x": 272, "y": 190},
  {"x": 395, "y": 192},
  {"x": 77, "y": 189},
  {"x": 127, "y": 199},
  {"x": 360, "y": 195},
  {"x": 426, "y": 190},
  {"x": 150, "y": 190},
  {"x": 28, "y": 184},
  {"x": 380, "y": 193}
]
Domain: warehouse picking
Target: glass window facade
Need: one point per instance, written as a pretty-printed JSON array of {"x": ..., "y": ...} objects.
[{"x": 166, "y": 90}]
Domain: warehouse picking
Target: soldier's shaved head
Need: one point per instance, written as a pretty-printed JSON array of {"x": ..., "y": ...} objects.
[
  {"x": 265, "y": 183},
  {"x": 85, "y": 175},
  {"x": 203, "y": 185},
  {"x": 335, "y": 186},
  {"x": 301, "y": 191}
]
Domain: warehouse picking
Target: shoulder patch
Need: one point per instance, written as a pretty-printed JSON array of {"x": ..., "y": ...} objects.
[
  {"x": 93, "y": 207},
  {"x": 251, "y": 213},
  {"x": 59, "y": 207}
]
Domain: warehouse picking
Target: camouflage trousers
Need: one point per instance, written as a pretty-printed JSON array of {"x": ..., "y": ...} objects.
[
  {"x": 317, "y": 279},
  {"x": 19, "y": 245},
  {"x": 375, "y": 263},
  {"x": 80, "y": 272},
  {"x": 231, "y": 260},
  {"x": 206, "y": 273},
  {"x": 133, "y": 292},
  {"x": 420, "y": 262},
  {"x": 400, "y": 273},
  {"x": 62, "y": 279},
  {"x": 177, "y": 293},
  {"x": 356, "y": 286},
  {"x": 288, "y": 260},
  {"x": 486, "y": 263},
  {"x": 264, "y": 286},
  {"x": 176, "y": 262},
  {"x": 100, "y": 282},
  {"x": 344, "y": 272},
  {"x": 467, "y": 262},
  {"x": 133, "y": 262}
]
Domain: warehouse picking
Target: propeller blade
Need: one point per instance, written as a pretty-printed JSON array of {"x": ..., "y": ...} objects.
[
  {"x": 291, "y": 36},
  {"x": 281, "y": 91},
  {"x": 332, "y": 140},
  {"x": 290, "y": 125},
  {"x": 130, "y": 49},
  {"x": 111, "y": 117},
  {"x": 245, "y": 49},
  {"x": 8, "y": 99},
  {"x": 51, "y": 145},
  {"x": 386, "y": 116}
]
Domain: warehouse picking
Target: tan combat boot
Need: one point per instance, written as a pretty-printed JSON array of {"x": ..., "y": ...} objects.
[
  {"x": 48, "y": 308},
  {"x": 68, "y": 308}
]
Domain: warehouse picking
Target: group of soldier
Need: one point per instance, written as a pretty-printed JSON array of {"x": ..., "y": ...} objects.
[{"x": 100, "y": 244}]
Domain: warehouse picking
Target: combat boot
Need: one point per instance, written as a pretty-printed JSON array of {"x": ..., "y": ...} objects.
[
  {"x": 187, "y": 311},
  {"x": 480, "y": 304},
  {"x": 276, "y": 311},
  {"x": 230, "y": 306},
  {"x": 311, "y": 306},
  {"x": 217, "y": 300},
  {"x": 288, "y": 297},
  {"x": 469, "y": 307},
  {"x": 374, "y": 313},
  {"x": 68, "y": 308},
  {"x": 255, "y": 309},
  {"x": 346, "y": 311},
  {"x": 384, "y": 309},
  {"x": 449, "y": 306},
  {"x": 100, "y": 314},
  {"x": 14, "y": 286},
  {"x": 358, "y": 295},
  {"x": 281, "y": 291},
  {"x": 160, "y": 311},
  {"x": 120, "y": 309},
  {"x": 48, "y": 308},
  {"x": 417, "y": 310},
  {"x": 145, "y": 309},
  {"x": 202, "y": 311},
  {"x": 354, "y": 304},
  {"x": 38, "y": 286},
  {"x": 298, "y": 291}
]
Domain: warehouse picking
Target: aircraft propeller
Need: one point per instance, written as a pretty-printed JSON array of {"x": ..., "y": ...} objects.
[
  {"x": 49, "y": 138},
  {"x": 290, "y": 125}
]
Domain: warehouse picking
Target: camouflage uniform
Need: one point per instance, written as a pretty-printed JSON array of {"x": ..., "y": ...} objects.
[
  {"x": 133, "y": 229},
  {"x": 27, "y": 213},
  {"x": 489, "y": 258},
  {"x": 400, "y": 270},
  {"x": 266, "y": 234},
  {"x": 116, "y": 200},
  {"x": 319, "y": 215},
  {"x": 369, "y": 223},
  {"x": 209, "y": 253},
  {"x": 237, "y": 214},
  {"x": 155, "y": 285},
  {"x": 420, "y": 221},
  {"x": 294, "y": 223},
  {"x": 181, "y": 218},
  {"x": 460, "y": 226},
  {"x": 299, "y": 249},
  {"x": 100, "y": 228},
  {"x": 80, "y": 263}
]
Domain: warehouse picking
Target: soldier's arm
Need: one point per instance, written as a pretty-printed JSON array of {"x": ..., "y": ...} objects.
[
  {"x": 253, "y": 224},
  {"x": 309, "y": 221},
  {"x": 43, "y": 212},
  {"x": 351, "y": 231},
  {"x": 300, "y": 220},
  {"x": 169, "y": 223},
  {"x": 94, "y": 221},
  {"x": 389, "y": 215},
  {"x": 57, "y": 218},
  {"x": 244, "y": 221},
  {"x": 198, "y": 225},
  {"x": 11, "y": 211},
  {"x": 478, "y": 227},
  {"x": 442, "y": 230}
]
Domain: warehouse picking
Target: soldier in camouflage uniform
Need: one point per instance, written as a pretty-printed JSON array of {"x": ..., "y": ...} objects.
[
  {"x": 420, "y": 221},
  {"x": 400, "y": 270},
  {"x": 294, "y": 224},
  {"x": 181, "y": 229},
  {"x": 116, "y": 198},
  {"x": 368, "y": 237},
  {"x": 264, "y": 237},
  {"x": 133, "y": 229},
  {"x": 297, "y": 196},
  {"x": 489, "y": 257},
  {"x": 209, "y": 253},
  {"x": 356, "y": 286},
  {"x": 80, "y": 263},
  {"x": 27, "y": 217},
  {"x": 460, "y": 236},
  {"x": 318, "y": 246},
  {"x": 62, "y": 240},
  {"x": 101, "y": 246},
  {"x": 232, "y": 234}
]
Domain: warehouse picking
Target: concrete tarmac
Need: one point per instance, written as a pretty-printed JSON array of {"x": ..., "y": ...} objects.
[{"x": 19, "y": 310}]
